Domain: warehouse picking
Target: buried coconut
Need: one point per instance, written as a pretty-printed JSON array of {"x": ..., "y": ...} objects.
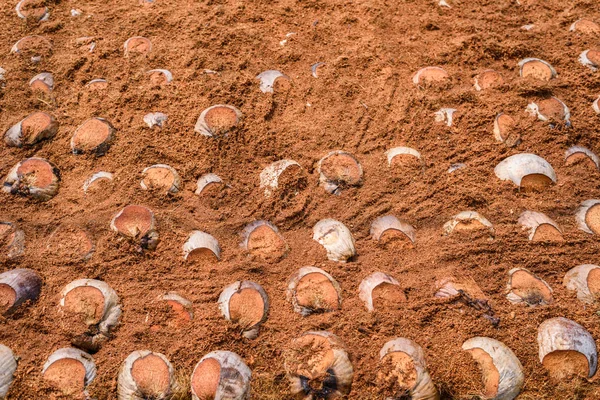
[
  {"x": 70, "y": 371},
  {"x": 262, "y": 239},
  {"x": 312, "y": 290},
  {"x": 403, "y": 371},
  {"x": 17, "y": 287},
  {"x": 578, "y": 154},
  {"x": 160, "y": 76},
  {"x": 12, "y": 240},
  {"x": 379, "y": 290},
  {"x": 221, "y": 375},
  {"x": 33, "y": 177},
  {"x": 393, "y": 233},
  {"x": 269, "y": 78},
  {"x": 42, "y": 83},
  {"x": 566, "y": 349},
  {"x": 525, "y": 287},
  {"x": 468, "y": 221},
  {"x": 137, "y": 45},
  {"x": 32, "y": 129},
  {"x": 180, "y": 311},
  {"x": 488, "y": 79},
  {"x": 8, "y": 366},
  {"x": 527, "y": 171},
  {"x": 403, "y": 157},
  {"x": 585, "y": 26},
  {"x": 588, "y": 216},
  {"x": 541, "y": 228},
  {"x": 217, "y": 120},
  {"x": 146, "y": 375},
  {"x": 93, "y": 136},
  {"x": 537, "y": 69},
  {"x": 339, "y": 170},
  {"x": 201, "y": 247},
  {"x": 585, "y": 281},
  {"x": 318, "y": 367},
  {"x": 32, "y": 10},
  {"x": 284, "y": 177},
  {"x": 502, "y": 371},
  {"x": 336, "y": 238},
  {"x": 246, "y": 304},
  {"x": 429, "y": 75},
  {"x": 209, "y": 184},
  {"x": 550, "y": 110},
  {"x": 138, "y": 224},
  {"x": 160, "y": 177},
  {"x": 505, "y": 130},
  {"x": 33, "y": 47},
  {"x": 70, "y": 242},
  {"x": 100, "y": 182},
  {"x": 96, "y": 305}
]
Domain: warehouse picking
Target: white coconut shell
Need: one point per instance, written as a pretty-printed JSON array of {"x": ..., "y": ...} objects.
[
  {"x": 515, "y": 298},
  {"x": 340, "y": 369},
  {"x": 336, "y": 238},
  {"x": 250, "y": 332},
  {"x": 417, "y": 77},
  {"x": 13, "y": 182},
  {"x": 295, "y": 280},
  {"x": 582, "y": 212},
  {"x": 269, "y": 177},
  {"x": 515, "y": 167},
  {"x": 70, "y": 352},
  {"x": 97, "y": 176},
  {"x": 465, "y": 216},
  {"x": 526, "y": 60},
  {"x": 8, "y": 366},
  {"x": 583, "y": 150},
  {"x": 386, "y": 222},
  {"x": 396, "y": 151},
  {"x": 26, "y": 283},
  {"x": 576, "y": 279},
  {"x": 44, "y": 16},
  {"x": 234, "y": 381},
  {"x": 155, "y": 119},
  {"x": 202, "y": 126},
  {"x": 424, "y": 388},
  {"x": 268, "y": 78},
  {"x": 564, "y": 334},
  {"x": 112, "y": 309},
  {"x": 199, "y": 239},
  {"x": 445, "y": 115},
  {"x": 165, "y": 72},
  {"x": 206, "y": 180},
  {"x": 176, "y": 178},
  {"x": 46, "y": 77},
  {"x": 531, "y": 220},
  {"x": 534, "y": 110},
  {"x": 585, "y": 61},
  {"x": 127, "y": 388},
  {"x": 365, "y": 289},
  {"x": 507, "y": 364}
]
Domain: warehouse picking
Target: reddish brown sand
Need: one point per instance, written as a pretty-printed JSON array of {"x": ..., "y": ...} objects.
[
  {"x": 489, "y": 79},
  {"x": 387, "y": 295},
  {"x": 564, "y": 364},
  {"x": 159, "y": 178},
  {"x": 530, "y": 288},
  {"x": 397, "y": 372},
  {"x": 363, "y": 102}
]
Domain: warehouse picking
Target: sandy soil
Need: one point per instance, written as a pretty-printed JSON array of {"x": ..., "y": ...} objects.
[{"x": 364, "y": 102}]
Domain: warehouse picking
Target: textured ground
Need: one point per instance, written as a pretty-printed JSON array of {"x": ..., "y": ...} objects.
[{"x": 363, "y": 102}]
